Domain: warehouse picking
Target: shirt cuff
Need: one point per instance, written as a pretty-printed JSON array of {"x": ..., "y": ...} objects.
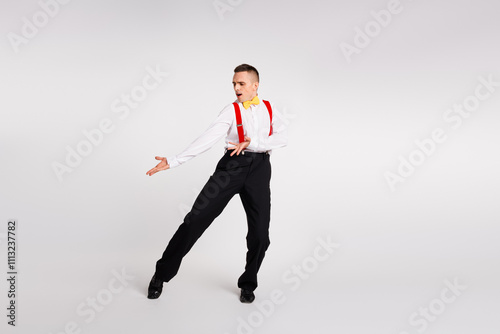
[
  {"x": 253, "y": 145},
  {"x": 172, "y": 162}
]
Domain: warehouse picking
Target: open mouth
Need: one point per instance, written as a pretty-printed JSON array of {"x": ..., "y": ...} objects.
[{"x": 239, "y": 94}]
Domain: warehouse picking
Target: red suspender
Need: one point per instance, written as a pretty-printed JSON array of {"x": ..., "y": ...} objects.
[
  {"x": 268, "y": 105},
  {"x": 239, "y": 123}
]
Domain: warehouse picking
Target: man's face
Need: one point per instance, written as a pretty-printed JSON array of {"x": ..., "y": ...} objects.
[{"x": 245, "y": 86}]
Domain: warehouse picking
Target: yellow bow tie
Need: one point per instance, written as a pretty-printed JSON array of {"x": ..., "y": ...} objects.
[{"x": 247, "y": 104}]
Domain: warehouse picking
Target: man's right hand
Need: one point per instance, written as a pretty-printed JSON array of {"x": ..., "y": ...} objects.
[{"x": 161, "y": 166}]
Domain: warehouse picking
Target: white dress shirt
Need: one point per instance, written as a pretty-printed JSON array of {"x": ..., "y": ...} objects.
[{"x": 256, "y": 125}]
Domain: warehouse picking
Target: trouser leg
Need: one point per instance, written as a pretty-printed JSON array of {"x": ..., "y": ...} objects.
[
  {"x": 256, "y": 199},
  {"x": 213, "y": 198}
]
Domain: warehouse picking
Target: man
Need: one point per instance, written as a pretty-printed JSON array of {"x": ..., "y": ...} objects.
[{"x": 252, "y": 130}]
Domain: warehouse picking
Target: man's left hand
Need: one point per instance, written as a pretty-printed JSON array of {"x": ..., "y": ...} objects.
[{"x": 237, "y": 148}]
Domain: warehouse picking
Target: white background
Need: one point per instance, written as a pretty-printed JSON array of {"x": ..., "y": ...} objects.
[{"x": 349, "y": 123}]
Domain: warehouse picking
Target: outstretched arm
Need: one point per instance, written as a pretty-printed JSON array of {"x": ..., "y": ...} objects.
[
  {"x": 214, "y": 133},
  {"x": 163, "y": 165}
]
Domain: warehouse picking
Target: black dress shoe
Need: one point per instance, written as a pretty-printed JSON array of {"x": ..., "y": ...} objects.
[
  {"x": 247, "y": 296},
  {"x": 155, "y": 288}
]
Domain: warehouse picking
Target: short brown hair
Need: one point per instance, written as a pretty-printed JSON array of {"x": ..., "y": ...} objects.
[{"x": 247, "y": 68}]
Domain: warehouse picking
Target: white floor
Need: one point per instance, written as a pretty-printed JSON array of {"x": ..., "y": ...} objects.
[{"x": 435, "y": 282}]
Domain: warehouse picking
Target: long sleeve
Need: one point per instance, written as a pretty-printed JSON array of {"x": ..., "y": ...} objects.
[{"x": 218, "y": 129}]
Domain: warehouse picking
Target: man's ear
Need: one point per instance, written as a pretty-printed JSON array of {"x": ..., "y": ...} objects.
[{"x": 256, "y": 84}]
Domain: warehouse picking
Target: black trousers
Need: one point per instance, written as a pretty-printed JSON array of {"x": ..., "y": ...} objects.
[{"x": 248, "y": 175}]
